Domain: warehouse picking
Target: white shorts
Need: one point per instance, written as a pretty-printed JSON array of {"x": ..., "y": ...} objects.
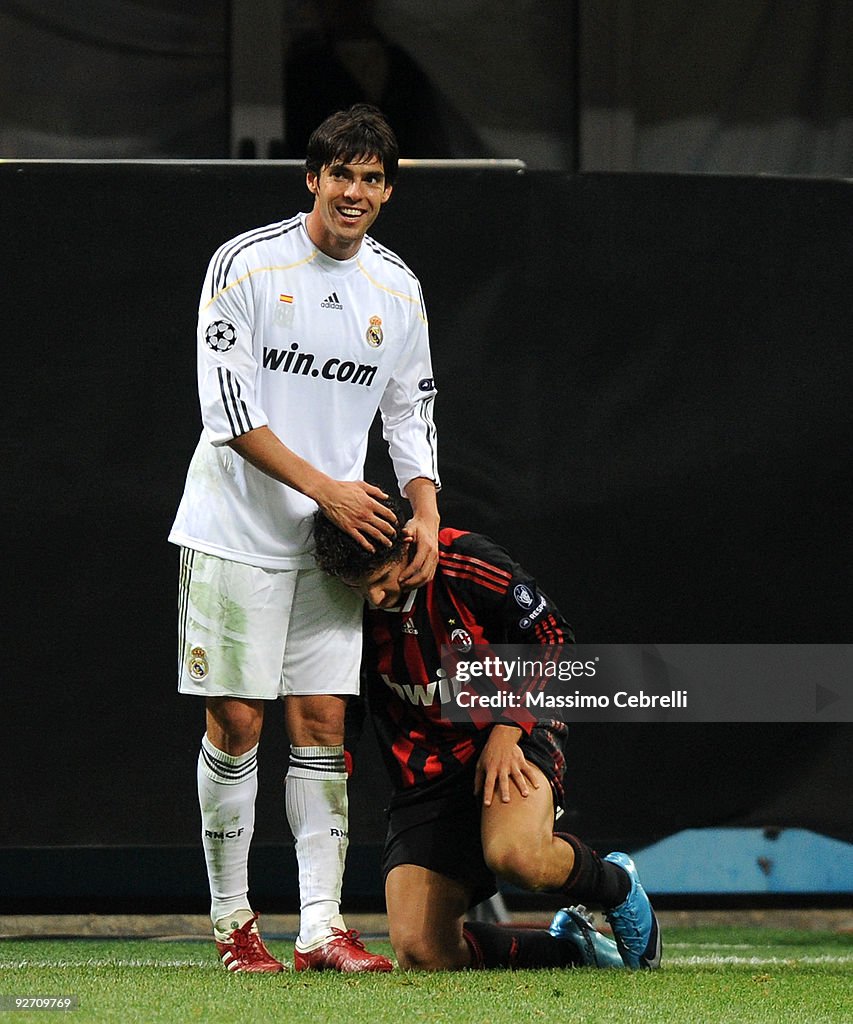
[{"x": 259, "y": 633}]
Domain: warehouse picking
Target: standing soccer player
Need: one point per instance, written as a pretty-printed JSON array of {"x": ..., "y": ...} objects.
[{"x": 306, "y": 328}]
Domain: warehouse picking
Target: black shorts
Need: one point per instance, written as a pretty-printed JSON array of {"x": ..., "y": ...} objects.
[{"x": 442, "y": 832}]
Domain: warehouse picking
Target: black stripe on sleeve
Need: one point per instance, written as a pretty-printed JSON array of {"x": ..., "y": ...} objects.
[
  {"x": 429, "y": 425},
  {"x": 240, "y": 407},
  {"x": 235, "y": 408},
  {"x": 223, "y": 374}
]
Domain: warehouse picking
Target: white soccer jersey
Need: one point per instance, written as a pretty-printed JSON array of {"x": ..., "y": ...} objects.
[{"x": 311, "y": 347}]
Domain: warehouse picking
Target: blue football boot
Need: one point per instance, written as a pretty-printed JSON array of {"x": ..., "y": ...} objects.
[
  {"x": 634, "y": 924},
  {"x": 574, "y": 925}
]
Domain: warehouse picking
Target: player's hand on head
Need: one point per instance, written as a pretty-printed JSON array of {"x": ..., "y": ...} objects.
[
  {"x": 355, "y": 507},
  {"x": 424, "y": 560}
]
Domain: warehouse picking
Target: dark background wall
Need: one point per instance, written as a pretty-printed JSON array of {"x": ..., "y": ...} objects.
[
  {"x": 644, "y": 393},
  {"x": 742, "y": 86}
]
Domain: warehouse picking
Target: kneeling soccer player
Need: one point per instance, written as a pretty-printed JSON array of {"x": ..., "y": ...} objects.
[{"x": 474, "y": 800}]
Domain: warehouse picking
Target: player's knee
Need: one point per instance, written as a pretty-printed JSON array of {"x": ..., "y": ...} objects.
[
  {"x": 233, "y": 725},
  {"x": 315, "y": 721},
  {"x": 515, "y": 860},
  {"x": 415, "y": 951}
]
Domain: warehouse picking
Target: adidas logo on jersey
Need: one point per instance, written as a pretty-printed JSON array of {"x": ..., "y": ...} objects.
[
  {"x": 332, "y": 302},
  {"x": 409, "y": 627}
]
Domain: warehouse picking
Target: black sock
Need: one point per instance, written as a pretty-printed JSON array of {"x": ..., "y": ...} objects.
[
  {"x": 593, "y": 880},
  {"x": 495, "y": 945}
]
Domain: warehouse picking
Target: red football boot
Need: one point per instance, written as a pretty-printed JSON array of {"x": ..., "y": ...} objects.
[
  {"x": 244, "y": 950},
  {"x": 343, "y": 951}
]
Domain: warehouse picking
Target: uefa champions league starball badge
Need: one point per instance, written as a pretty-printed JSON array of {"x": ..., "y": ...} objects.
[
  {"x": 220, "y": 335},
  {"x": 374, "y": 332}
]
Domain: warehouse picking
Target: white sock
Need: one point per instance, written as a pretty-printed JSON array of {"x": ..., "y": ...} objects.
[
  {"x": 227, "y": 787},
  {"x": 316, "y": 804}
]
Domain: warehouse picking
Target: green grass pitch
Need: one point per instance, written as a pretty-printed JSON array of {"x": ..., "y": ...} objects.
[{"x": 710, "y": 976}]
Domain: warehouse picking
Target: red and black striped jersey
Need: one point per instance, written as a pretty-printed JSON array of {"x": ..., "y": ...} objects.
[{"x": 479, "y": 595}]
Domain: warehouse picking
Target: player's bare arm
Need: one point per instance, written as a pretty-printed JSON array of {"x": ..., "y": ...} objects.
[
  {"x": 351, "y": 504},
  {"x": 422, "y": 530},
  {"x": 502, "y": 764}
]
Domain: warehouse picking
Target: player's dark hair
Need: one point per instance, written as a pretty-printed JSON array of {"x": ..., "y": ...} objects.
[
  {"x": 354, "y": 134},
  {"x": 340, "y": 555}
]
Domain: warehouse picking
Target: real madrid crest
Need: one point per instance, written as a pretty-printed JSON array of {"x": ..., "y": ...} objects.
[
  {"x": 374, "y": 334},
  {"x": 198, "y": 665}
]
